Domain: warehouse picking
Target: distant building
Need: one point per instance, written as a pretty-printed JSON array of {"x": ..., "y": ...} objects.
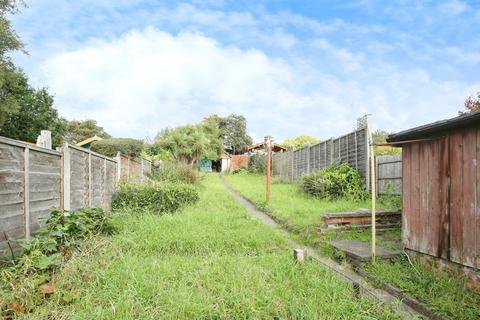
[{"x": 260, "y": 148}]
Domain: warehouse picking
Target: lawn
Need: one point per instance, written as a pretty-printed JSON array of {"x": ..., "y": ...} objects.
[
  {"x": 301, "y": 213},
  {"x": 211, "y": 261},
  {"x": 446, "y": 294}
]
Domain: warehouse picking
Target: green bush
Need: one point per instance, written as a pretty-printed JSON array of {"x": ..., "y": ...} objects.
[
  {"x": 240, "y": 171},
  {"x": 257, "y": 163},
  {"x": 334, "y": 182},
  {"x": 126, "y": 146},
  {"x": 157, "y": 197},
  {"x": 175, "y": 172}
]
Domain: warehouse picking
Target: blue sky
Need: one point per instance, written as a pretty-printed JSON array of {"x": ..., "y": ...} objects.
[{"x": 291, "y": 67}]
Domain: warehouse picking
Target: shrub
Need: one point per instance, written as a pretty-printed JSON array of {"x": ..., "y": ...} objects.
[
  {"x": 175, "y": 172},
  {"x": 158, "y": 197},
  {"x": 257, "y": 163},
  {"x": 63, "y": 232},
  {"x": 126, "y": 146},
  {"x": 333, "y": 182}
]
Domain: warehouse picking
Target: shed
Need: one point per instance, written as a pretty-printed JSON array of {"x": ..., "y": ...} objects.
[
  {"x": 87, "y": 143},
  {"x": 441, "y": 190}
]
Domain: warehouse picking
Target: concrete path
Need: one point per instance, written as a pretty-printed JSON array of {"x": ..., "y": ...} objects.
[{"x": 358, "y": 282}]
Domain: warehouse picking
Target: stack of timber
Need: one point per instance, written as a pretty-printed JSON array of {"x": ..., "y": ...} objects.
[{"x": 361, "y": 219}]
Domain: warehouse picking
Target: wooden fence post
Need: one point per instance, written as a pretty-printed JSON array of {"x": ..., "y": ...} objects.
[
  {"x": 26, "y": 192},
  {"x": 66, "y": 177}
]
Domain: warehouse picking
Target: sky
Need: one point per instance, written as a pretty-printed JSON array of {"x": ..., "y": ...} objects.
[{"x": 290, "y": 67}]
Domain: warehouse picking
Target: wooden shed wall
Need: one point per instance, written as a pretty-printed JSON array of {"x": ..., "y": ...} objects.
[{"x": 441, "y": 210}]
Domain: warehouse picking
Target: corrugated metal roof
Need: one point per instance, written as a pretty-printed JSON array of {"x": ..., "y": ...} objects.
[{"x": 425, "y": 131}]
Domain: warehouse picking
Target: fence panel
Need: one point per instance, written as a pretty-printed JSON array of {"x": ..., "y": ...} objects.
[
  {"x": 351, "y": 148},
  {"x": 389, "y": 174},
  {"x": 34, "y": 180}
]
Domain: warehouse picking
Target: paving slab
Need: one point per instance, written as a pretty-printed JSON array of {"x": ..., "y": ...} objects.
[{"x": 362, "y": 251}]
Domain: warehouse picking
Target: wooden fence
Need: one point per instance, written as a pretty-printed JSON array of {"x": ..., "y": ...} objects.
[
  {"x": 351, "y": 148},
  {"x": 389, "y": 174},
  {"x": 34, "y": 180}
]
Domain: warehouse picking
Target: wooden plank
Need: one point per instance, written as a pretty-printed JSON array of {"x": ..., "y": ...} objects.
[
  {"x": 443, "y": 245},
  {"x": 477, "y": 204},
  {"x": 423, "y": 232},
  {"x": 469, "y": 172},
  {"x": 456, "y": 196},
  {"x": 415, "y": 198},
  {"x": 26, "y": 193},
  {"x": 406, "y": 185},
  {"x": 434, "y": 197}
]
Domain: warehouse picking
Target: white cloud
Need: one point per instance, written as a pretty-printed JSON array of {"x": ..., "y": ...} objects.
[{"x": 146, "y": 80}]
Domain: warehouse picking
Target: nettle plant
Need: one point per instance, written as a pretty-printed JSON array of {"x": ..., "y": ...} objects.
[
  {"x": 335, "y": 182},
  {"x": 63, "y": 232}
]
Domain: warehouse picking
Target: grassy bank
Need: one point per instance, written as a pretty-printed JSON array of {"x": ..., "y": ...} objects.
[{"x": 210, "y": 261}]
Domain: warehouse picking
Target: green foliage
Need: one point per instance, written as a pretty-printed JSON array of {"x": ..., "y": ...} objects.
[
  {"x": 33, "y": 111},
  {"x": 175, "y": 172},
  {"x": 40, "y": 258},
  {"x": 190, "y": 143},
  {"x": 77, "y": 131},
  {"x": 156, "y": 197},
  {"x": 63, "y": 231},
  {"x": 126, "y": 146},
  {"x": 257, "y": 163},
  {"x": 233, "y": 131},
  {"x": 300, "y": 142},
  {"x": 380, "y": 137},
  {"x": 334, "y": 182}
]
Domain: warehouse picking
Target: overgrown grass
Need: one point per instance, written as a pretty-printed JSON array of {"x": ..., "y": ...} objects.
[
  {"x": 211, "y": 261},
  {"x": 301, "y": 213},
  {"x": 444, "y": 293}
]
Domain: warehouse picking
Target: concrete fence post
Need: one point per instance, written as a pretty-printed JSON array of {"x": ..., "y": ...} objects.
[
  {"x": 119, "y": 166},
  {"x": 66, "y": 176},
  {"x": 26, "y": 191},
  {"x": 90, "y": 184}
]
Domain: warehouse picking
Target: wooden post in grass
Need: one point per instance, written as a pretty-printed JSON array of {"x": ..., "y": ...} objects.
[
  {"x": 374, "y": 193},
  {"x": 268, "y": 144}
]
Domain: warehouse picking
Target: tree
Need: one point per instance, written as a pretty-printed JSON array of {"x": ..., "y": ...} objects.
[
  {"x": 472, "y": 104},
  {"x": 81, "y": 130},
  {"x": 300, "y": 142},
  {"x": 232, "y": 130},
  {"x": 9, "y": 75},
  {"x": 35, "y": 112},
  {"x": 190, "y": 143}
]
